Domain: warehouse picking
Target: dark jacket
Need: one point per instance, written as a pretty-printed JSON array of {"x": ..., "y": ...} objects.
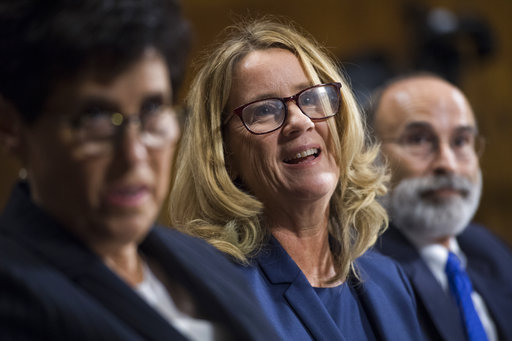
[
  {"x": 298, "y": 314},
  {"x": 52, "y": 287},
  {"x": 489, "y": 266}
]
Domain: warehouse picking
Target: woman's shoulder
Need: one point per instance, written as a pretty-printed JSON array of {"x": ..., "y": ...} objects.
[
  {"x": 374, "y": 260},
  {"x": 384, "y": 287},
  {"x": 375, "y": 268}
]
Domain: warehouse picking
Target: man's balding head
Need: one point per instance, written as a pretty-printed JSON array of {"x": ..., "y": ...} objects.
[{"x": 428, "y": 133}]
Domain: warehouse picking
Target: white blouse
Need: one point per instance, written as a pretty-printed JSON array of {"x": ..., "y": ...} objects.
[{"x": 152, "y": 290}]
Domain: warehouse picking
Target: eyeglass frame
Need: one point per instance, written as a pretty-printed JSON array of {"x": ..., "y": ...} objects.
[
  {"x": 239, "y": 110},
  {"x": 478, "y": 143},
  {"x": 118, "y": 122}
]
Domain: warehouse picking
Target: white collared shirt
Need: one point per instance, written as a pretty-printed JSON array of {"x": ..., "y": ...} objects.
[{"x": 435, "y": 256}]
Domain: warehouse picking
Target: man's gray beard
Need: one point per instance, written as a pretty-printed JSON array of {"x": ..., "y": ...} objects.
[{"x": 424, "y": 220}]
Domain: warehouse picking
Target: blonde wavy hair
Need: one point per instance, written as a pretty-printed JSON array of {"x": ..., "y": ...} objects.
[{"x": 205, "y": 202}]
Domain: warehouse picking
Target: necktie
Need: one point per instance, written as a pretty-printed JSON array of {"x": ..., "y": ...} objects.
[{"x": 460, "y": 287}]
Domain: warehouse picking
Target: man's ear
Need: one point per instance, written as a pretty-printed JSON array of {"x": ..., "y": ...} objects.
[{"x": 10, "y": 128}]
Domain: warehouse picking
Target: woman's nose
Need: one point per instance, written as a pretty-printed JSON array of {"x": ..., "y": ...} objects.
[
  {"x": 296, "y": 121},
  {"x": 131, "y": 147}
]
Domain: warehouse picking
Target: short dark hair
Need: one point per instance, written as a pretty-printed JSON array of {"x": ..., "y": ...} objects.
[{"x": 43, "y": 43}]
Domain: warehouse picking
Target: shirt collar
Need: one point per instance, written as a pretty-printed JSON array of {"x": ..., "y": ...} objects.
[{"x": 436, "y": 255}]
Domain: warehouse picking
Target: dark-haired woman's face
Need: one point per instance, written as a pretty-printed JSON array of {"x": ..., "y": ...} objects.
[{"x": 99, "y": 158}]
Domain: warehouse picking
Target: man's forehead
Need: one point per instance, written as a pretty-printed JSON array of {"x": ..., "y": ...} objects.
[{"x": 423, "y": 99}]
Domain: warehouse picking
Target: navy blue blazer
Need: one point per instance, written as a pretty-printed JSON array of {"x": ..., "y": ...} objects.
[
  {"x": 52, "y": 287},
  {"x": 297, "y": 312},
  {"x": 489, "y": 265}
]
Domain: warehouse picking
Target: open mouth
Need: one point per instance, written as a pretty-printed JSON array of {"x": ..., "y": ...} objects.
[{"x": 303, "y": 156}]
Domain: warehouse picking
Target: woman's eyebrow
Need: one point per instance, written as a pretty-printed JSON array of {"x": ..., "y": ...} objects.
[{"x": 97, "y": 102}]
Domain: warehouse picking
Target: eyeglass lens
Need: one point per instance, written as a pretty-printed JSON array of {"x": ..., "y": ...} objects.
[
  {"x": 101, "y": 126},
  {"x": 463, "y": 143},
  {"x": 266, "y": 115}
]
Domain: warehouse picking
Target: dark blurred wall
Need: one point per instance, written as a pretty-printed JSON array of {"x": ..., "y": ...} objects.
[{"x": 351, "y": 28}]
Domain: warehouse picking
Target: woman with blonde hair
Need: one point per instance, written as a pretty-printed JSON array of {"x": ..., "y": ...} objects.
[{"x": 273, "y": 171}]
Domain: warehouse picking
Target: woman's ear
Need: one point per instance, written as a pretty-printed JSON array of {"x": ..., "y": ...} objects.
[{"x": 10, "y": 128}]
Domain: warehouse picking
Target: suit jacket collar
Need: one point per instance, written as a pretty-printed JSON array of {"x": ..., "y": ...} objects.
[
  {"x": 379, "y": 301},
  {"x": 36, "y": 230},
  {"x": 489, "y": 269},
  {"x": 439, "y": 305},
  {"x": 280, "y": 269},
  {"x": 222, "y": 299},
  {"x": 496, "y": 297}
]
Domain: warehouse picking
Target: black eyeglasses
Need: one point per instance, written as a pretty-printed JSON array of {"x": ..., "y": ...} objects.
[
  {"x": 97, "y": 128},
  {"x": 424, "y": 143},
  {"x": 318, "y": 102}
]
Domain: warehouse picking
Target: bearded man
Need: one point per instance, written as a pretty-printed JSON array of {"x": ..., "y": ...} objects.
[{"x": 460, "y": 272}]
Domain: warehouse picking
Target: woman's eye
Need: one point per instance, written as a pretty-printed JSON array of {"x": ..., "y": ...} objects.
[
  {"x": 100, "y": 120},
  {"x": 151, "y": 107},
  {"x": 264, "y": 110},
  {"x": 309, "y": 99},
  {"x": 91, "y": 117}
]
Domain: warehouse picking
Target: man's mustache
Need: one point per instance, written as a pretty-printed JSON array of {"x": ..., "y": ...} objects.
[{"x": 431, "y": 184}]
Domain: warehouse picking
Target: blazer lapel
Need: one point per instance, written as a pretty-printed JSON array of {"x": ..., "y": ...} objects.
[
  {"x": 122, "y": 301},
  {"x": 281, "y": 269},
  {"x": 495, "y": 295},
  {"x": 74, "y": 260},
  {"x": 379, "y": 317},
  {"x": 222, "y": 300},
  {"x": 488, "y": 267},
  {"x": 311, "y": 311},
  {"x": 440, "y": 307}
]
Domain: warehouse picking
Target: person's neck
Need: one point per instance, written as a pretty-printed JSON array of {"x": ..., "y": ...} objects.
[
  {"x": 310, "y": 250},
  {"x": 300, "y": 216},
  {"x": 444, "y": 241},
  {"x": 125, "y": 261}
]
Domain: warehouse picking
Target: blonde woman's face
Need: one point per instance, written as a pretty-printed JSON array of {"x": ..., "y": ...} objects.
[{"x": 293, "y": 163}]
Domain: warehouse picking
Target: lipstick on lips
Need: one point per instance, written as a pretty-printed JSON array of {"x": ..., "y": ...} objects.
[{"x": 127, "y": 196}]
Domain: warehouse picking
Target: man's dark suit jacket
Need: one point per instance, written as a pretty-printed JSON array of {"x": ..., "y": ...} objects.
[
  {"x": 52, "y": 287},
  {"x": 489, "y": 265}
]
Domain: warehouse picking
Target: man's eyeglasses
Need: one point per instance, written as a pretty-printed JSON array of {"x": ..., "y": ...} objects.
[
  {"x": 97, "y": 128},
  {"x": 424, "y": 143},
  {"x": 263, "y": 116}
]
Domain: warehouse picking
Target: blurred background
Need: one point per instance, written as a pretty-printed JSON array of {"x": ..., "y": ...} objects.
[{"x": 468, "y": 42}]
